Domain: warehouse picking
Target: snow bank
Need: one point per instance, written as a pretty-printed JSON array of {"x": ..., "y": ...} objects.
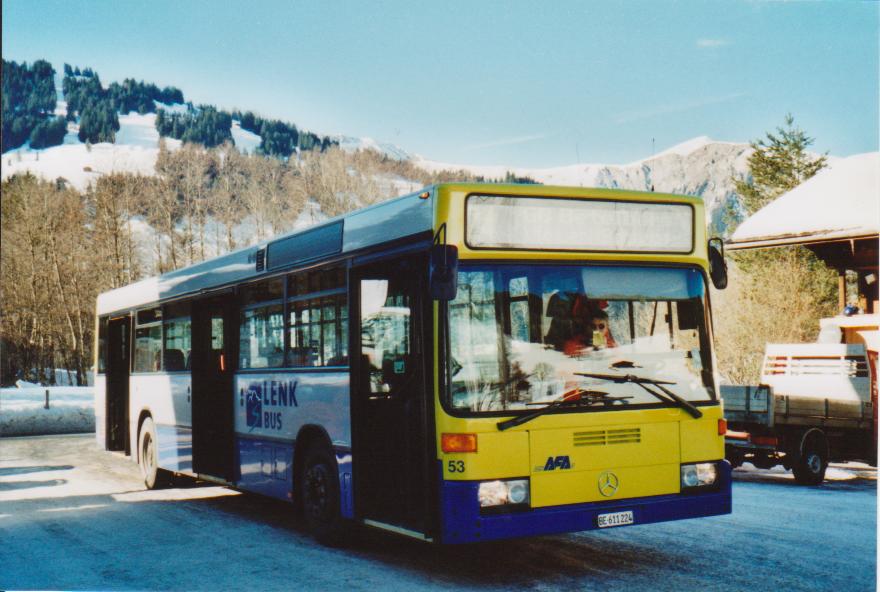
[{"x": 23, "y": 412}]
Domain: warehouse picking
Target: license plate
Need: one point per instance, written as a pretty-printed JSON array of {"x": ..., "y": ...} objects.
[{"x": 616, "y": 519}]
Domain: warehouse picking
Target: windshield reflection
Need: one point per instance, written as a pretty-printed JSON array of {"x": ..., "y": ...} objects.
[{"x": 521, "y": 336}]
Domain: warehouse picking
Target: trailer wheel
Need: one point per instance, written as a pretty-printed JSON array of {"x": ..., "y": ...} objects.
[
  {"x": 154, "y": 477},
  {"x": 319, "y": 492},
  {"x": 809, "y": 468}
]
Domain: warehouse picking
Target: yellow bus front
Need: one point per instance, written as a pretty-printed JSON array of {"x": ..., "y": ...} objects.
[{"x": 574, "y": 375}]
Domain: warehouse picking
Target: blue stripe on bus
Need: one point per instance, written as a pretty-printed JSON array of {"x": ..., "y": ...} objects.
[
  {"x": 174, "y": 448},
  {"x": 267, "y": 468},
  {"x": 346, "y": 491},
  {"x": 462, "y": 522}
]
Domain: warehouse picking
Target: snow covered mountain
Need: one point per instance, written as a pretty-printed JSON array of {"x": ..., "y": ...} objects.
[{"x": 700, "y": 166}]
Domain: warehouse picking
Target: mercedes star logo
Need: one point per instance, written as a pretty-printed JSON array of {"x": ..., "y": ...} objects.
[{"x": 608, "y": 483}]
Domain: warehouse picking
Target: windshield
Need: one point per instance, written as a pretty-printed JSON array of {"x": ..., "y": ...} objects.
[{"x": 522, "y": 336}]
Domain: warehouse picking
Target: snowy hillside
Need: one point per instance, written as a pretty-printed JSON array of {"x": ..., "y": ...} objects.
[
  {"x": 700, "y": 166},
  {"x": 135, "y": 151},
  {"x": 351, "y": 144}
]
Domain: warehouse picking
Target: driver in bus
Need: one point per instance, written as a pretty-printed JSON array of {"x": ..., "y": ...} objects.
[{"x": 593, "y": 330}]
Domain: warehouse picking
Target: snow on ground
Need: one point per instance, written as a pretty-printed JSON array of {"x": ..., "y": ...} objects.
[
  {"x": 23, "y": 412},
  {"x": 175, "y": 108},
  {"x": 78, "y": 164},
  {"x": 138, "y": 130},
  {"x": 246, "y": 141},
  {"x": 135, "y": 150},
  {"x": 80, "y": 519}
]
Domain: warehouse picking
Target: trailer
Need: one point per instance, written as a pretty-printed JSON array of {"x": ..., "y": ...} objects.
[{"x": 816, "y": 403}]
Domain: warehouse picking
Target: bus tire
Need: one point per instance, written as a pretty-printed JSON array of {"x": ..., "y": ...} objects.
[
  {"x": 812, "y": 461},
  {"x": 148, "y": 457},
  {"x": 319, "y": 494}
]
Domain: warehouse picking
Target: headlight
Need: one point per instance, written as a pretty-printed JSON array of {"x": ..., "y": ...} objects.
[
  {"x": 499, "y": 493},
  {"x": 698, "y": 475}
]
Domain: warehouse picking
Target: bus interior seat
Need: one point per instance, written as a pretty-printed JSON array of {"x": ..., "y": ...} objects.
[
  {"x": 174, "y": 360},
  {"x": 559, "y": 310}
]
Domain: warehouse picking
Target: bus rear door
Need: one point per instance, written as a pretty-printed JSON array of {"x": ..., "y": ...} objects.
[
  {"x": 212, "y": 404},
  {"x": 118, "y": 370}
]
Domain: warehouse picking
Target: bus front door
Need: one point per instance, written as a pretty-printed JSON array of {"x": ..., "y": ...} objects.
[
  {"x": 212, "y": 396},
  {"x": 389, "y": 405}
]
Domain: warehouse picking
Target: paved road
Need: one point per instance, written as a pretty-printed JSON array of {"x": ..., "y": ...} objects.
[{"x": 73, "y": 517}]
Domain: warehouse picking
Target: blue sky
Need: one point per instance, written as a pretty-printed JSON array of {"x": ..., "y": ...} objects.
[{"x": 516, "y": 83}]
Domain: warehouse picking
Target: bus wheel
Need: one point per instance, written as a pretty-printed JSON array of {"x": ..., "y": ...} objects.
[
  {"x": 154, "y": 477},
  {"x": 319, "y": 492},
  {"x": 810, "y": 465}
]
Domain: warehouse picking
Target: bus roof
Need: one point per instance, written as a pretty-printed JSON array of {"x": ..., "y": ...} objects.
[{"x": 407, "y": 216}]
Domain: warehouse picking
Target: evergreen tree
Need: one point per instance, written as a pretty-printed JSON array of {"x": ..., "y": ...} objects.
[
  {"x": 48, "y": 133},
  {"x": 28, "y": 100},
  {"x": 775, "y": 295},
  {"x": 778, "y": 164}
]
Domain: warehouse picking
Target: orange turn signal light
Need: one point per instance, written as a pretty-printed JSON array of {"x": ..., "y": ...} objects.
[
  {"x": 458, "y": 442},
  {"x": 722, "y": 426}
]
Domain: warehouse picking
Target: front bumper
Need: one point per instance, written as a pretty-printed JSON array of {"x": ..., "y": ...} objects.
[{"x": 463, "y": 523}]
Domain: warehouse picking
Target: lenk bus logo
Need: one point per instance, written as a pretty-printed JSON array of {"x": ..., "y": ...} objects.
[
  {"x": 260, "y": 397},
  {"x": 254, "y": 407},
  {"x": 557, "y": 462}
]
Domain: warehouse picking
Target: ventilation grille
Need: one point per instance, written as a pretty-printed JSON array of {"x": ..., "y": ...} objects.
[
  {"x": 261, "y": 260},
  {"x": 604, "y": 437}
]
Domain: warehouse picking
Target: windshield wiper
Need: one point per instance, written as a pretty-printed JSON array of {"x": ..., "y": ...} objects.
[
  {"x": 668, "y": 396},
  {"x": 586, "y": 398}
]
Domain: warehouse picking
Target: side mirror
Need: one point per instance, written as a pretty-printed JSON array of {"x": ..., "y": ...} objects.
[
  {"x": 717, "y": 265},
  {"x": 444, "y": 272}
]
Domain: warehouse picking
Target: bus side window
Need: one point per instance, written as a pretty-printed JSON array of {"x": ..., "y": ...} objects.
[
  {"x": 317, "y": 309},
  {"x": 178, "y": 344},
  {"x": 218, "y": 361},
  {"x": 261, "y": 328},
  {"x": 103, "y": 324},
  {"x": 148, "y": 341}
]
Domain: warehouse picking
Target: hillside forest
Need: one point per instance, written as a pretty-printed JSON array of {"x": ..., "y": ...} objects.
[{"x": 30, "y": 115}]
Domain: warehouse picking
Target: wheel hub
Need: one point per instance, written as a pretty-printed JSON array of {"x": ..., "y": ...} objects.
[
  {"x": 148, "y": 453},
  {"x": 316, "y": 491},
  {"x": 814, "y": 463}
]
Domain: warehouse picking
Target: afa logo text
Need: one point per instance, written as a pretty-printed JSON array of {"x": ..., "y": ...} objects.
[{"x": 556, "y": 463}]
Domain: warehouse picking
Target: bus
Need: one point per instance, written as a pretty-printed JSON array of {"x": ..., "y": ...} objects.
[{"x": 468, "y": 363}]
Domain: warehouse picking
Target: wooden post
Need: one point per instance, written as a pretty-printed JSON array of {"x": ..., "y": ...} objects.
[
  {"x": 47, "y": 399},
  {"x": 841, "y": 290}
]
